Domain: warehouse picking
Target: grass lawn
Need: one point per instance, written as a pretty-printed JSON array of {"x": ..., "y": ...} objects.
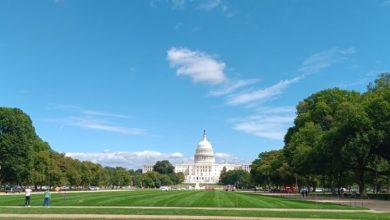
[
  {"x": 169, "y": 198},
  {"x": 178, "y": 211},
  {"x": 73, "y": 203}
]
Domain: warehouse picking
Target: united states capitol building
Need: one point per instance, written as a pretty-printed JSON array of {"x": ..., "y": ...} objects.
[{"x": 204, "y": 169}]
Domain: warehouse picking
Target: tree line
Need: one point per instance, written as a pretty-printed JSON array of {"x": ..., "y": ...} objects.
[
  {"x": 25, "y": 159},
  {"x": 339, "y": 139}
]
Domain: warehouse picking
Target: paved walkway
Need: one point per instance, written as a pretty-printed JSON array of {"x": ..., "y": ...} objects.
[{"x": 149, "y": 217}]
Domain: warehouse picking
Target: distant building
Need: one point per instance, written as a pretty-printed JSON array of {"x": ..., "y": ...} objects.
[{"x": 204, "y": 169}]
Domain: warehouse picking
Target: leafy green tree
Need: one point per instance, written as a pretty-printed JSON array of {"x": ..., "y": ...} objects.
[
  {"x": 237, "y": 178},
  {"x": 382, "y": 82},
  {"x": 16, "y": 146},
  {"x": 152, "y": 179},
  {"x": 176, "y": 178},
  {"x": 164, "y": 167},
  {"x": 271, "y": 169},
  {"x": 377, "y": 106},
  {"x": 121, "y": 177},
  {"x": 41, "y": 165},
  {"x": 312, "y": 148}
]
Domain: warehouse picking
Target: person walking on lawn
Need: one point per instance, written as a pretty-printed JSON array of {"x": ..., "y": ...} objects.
[
  {"x": 28, "y": 197},
  {"x": 46, "y": 198}
]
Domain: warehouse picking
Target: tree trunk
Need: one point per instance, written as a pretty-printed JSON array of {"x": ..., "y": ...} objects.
[
  {"x": 333, "y": 186},
  {"x": 362, "y": 186}
]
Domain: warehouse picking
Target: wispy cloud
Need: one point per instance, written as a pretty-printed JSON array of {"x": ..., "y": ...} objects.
[
  {"x": 311, "y": 65},
  {"x": 96, "y": 124},
  {"x": 136, "y": 160},
  {"x": 208, "y": 5},
  {"x": 270, "y": 123},
  {"x": 233, "y": 86},
  {"x": 80, "y": 110},
  {"x": 92, "y": 119},
  {"x": 324, "y": 59},
  {"x": 201, "y": 5},
  {"x": 178, "y": 4},
  {"x": 198, "y": 65},
  {"x": 261, "y": 95}
]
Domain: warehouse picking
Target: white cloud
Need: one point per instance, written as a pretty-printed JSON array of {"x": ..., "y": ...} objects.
[
  {"x": 324, "y": 59},
  {"x": 228, "y": 158},
  {"x": 233, "y": 86},
  {"x": 136, "y": 160},
  {"x": 127, "y": 159},
  {"x": 96, "y": 124},
  {"x": 271, "y": 123},
  {"x": 198, "y": 65},
  {"x": 261, "y": 94}
]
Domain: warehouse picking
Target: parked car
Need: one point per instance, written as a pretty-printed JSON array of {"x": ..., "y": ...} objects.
[
  {"x": 93, "y": 188},
  {"x": 65, "y": 188},
  {"x": 13, "y": 189},
  {"x": 165, "y": 188}
]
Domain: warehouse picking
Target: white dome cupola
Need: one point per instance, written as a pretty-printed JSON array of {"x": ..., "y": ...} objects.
[{"x": 204, "y": 151}]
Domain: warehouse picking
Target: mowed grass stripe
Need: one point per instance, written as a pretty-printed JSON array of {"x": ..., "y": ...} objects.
[
  {"x": 180, "y": 198},
  {"x": 251, "y": 202},
  {"x": 170, "y": 198},
  {"x": 160, "y": 199},
  {"x": 192, "y": 200},
  {"x": 178, "y": 211}
]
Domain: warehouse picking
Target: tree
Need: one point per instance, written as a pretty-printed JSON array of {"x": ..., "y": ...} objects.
[
  {"x": 16, "y": 145},
  {"x": 355, "y": 127},
  {"x": 311, "y": 145},
  {"x": 177, "y": 178},
  {"x": 376, "y": 102},
  {"x": 271, "y": 169},
  {"x": 164, "y": 167},
  {"x": 237, "y": 178},
  {"x": 382, "y": 82},
  {"x": 121, "y": 177}
]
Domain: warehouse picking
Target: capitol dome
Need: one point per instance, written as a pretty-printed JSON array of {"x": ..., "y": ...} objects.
[{"x": 204, "y": 151}]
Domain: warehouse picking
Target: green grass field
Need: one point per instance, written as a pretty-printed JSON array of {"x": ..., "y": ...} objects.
[
  {"x": 171, "y": 199},
  {"x": 115, "y": 202},
  {"x": 178, "y": 211}
]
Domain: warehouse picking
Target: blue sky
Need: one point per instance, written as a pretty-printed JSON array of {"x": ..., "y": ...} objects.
[{"x": 129, "y": 82}]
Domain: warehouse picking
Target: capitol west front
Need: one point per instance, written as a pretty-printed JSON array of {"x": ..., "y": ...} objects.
[{"x": 204, "y": 169}]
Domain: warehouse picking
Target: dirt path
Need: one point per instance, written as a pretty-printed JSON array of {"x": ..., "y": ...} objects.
[
  {"x": 149, "y": 217},
  {"x": 205, "y": 208}
]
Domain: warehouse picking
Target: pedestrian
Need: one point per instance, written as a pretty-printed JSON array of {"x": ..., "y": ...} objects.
[
  {"x": 28, "y": 197},
  {"x": 46, "y": 198},
  {"x": 306, "y": 191}
]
